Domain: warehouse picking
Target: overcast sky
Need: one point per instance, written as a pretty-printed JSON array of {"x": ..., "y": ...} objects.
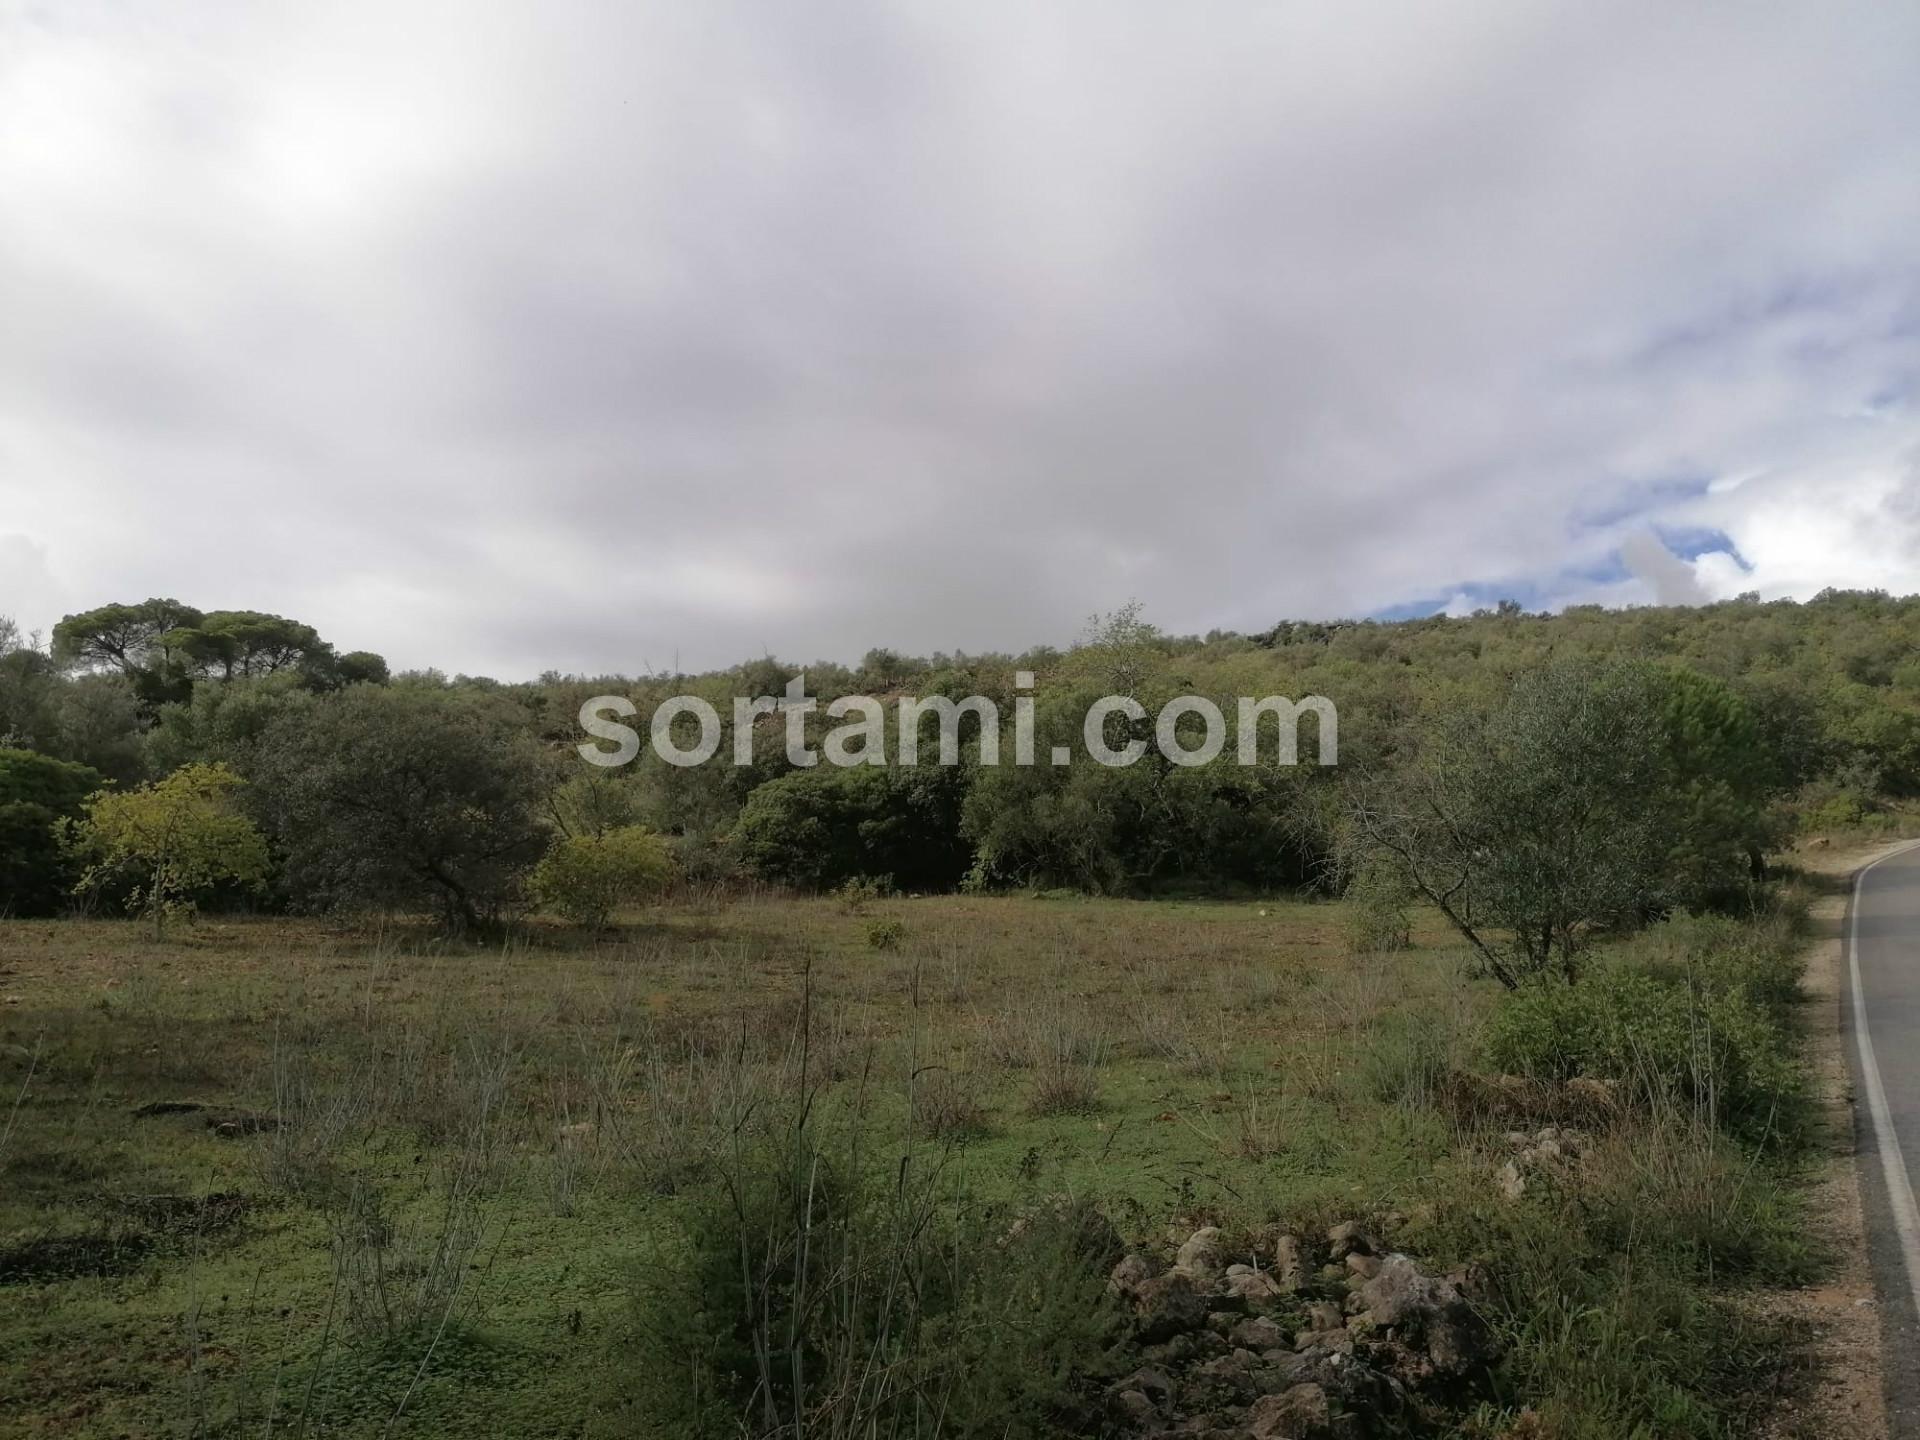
[{"x": 597, "y": 337}]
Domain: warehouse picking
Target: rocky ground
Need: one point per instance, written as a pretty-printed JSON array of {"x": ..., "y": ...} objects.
[{"x": 1336, "y": 1337}]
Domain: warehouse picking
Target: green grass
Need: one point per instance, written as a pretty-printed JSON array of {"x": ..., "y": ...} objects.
[{"x": 486, "y": 1150}]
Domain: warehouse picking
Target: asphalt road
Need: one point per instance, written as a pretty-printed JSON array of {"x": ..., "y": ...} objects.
[{"x": 1883, "y": 1015}]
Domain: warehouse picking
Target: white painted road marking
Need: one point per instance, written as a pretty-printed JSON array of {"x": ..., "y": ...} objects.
[{"x": 1906, "y": 1214}]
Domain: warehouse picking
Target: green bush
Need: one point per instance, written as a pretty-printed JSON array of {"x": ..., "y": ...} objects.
[
  {"x": 1835, "y": 812},
  {"x": 816, "y": 829},
  {"x": 1149, "y": 827},
  {"x": 1661, "y": 1037},
  {"x": 36, "y": 793},
  {"x": 861, "y": 891},
  {"x": 885, "y": 933},
  {"x": 587, "y": 877}
]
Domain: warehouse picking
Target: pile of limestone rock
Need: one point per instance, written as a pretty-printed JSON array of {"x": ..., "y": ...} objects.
[
  {"x": 1534, "y": 1152},
  {"x": 1311, "y": 1340}
]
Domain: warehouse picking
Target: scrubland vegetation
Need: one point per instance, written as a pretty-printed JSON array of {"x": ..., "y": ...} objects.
[
  {"x": 276, "y": 1177},
  {"x": 1711, "y": 735},
  {"x": 371, "y": 1068}
]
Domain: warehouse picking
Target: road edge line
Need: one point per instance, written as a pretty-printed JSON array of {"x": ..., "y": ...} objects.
[{"x": 1900, "y": 1197}]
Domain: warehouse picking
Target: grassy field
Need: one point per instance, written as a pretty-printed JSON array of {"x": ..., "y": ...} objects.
[{"x": 275, "y": 1177}]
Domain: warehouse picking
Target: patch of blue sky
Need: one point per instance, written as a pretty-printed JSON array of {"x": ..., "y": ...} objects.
[
  {"x": 1641, "y": 499},
  {"x": 1478, "y": 595},
  {"x": 1690, "y": 542}
]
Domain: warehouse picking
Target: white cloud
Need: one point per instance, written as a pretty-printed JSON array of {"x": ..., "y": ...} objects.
[
  {"x": 1853, "y": 521},
  {"x": 1672, "y": 580},
  {"x": 29, "y": 592}
]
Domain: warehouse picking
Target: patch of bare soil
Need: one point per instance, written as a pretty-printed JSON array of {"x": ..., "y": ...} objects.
[
  {"x": 46, "y": 1259},
  {"x": 1845, "y": 1392}
]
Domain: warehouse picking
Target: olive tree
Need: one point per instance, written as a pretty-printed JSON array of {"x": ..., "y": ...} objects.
[
  {"x": 1530, "y": 825},
  {"x": 404, "y": 797}
]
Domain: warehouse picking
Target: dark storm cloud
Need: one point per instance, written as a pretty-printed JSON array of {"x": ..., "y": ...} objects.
[{"x": 505, "y": 337}]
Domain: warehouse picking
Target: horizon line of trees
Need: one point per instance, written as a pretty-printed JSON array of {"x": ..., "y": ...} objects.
[{"x": 1537, "y": 778}]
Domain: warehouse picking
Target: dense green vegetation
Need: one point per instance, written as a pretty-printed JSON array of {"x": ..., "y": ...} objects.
[
  {"x": 1689, "y": 741},
  {"x": 37, "y": 792}
]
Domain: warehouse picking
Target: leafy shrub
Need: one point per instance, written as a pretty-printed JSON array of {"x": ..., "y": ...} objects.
[
  {"x": 1659, "y": 1037},
  {"x": 1834, "y": 803},
  {"x": 587, "y": 877},
  {"x": 1146, "y": 827},
  {"x": 174, "y": 838},
  {"x": 598, "y": 801},
  {"x": 861, "y": 891},
  {"x": 1718, "y": 790},
  {"x": 704, "y": 859},
  {"x": 885, "y": 933},
  {"x": 816, "y": 829}
]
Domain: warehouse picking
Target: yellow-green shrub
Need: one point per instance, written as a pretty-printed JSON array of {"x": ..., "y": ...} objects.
[
  {"x": 172, "y": 838},
  {"x": 587, "y": 877}
]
